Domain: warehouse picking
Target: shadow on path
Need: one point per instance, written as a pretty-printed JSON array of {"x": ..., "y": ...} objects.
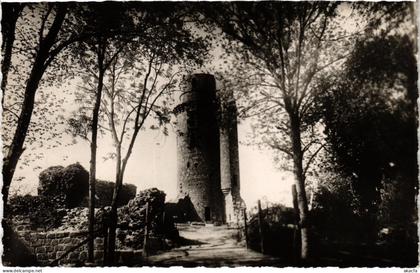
[{"x": 211, "y": 246}]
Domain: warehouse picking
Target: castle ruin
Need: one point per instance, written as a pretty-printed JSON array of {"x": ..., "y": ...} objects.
[{"x": 208, "y": 156}]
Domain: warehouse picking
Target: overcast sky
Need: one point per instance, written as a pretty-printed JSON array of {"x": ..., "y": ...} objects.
[{"x": 153, "y": 164}]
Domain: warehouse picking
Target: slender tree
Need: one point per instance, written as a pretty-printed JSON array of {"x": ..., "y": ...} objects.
[
  {"x": 283, "y": 45},
  {"x": 96, "y": 56},
  {"x": 45, "y": 31},
  {"x": 46, "y": 52}
]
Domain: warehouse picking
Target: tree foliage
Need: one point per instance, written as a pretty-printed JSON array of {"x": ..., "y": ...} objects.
[
  {"x": 363, "y": 107},
  {"x": 282, "y": 47},
  {"x": 43, "y": 31},
  {"x": 43, "y": 212}
]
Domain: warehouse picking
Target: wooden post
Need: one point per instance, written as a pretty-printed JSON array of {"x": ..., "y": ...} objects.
[
  {"x": 260, "y": 223},
  {"x": 146, "y": 230},
  {"x": 105, "y": 234},
  {"x": 246, "y": 229},
  {"x": 297, "y": 227}
]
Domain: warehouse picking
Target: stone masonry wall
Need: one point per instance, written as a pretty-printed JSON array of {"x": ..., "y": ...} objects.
[
  {"x": 198, "y": 149},
  {"x": 48, "y": 246},
  {"x": 229, "y": 161}
]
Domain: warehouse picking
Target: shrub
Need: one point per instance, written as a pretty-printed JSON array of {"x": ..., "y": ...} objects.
[
  {"x": 71, "y": 182},
  {"x": 277, "y": 230},
  {"x": 50, "y": 181},
  {"x": 43, "y": 212},
  {"x": 76, "y": 182},
  {"x": 105, "y": 190}
]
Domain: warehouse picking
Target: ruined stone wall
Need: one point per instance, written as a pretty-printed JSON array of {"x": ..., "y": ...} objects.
[{"x": 198, "y": 149}]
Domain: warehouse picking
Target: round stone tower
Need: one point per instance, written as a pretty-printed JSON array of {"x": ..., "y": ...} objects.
[{"x": 198, "y": 149}]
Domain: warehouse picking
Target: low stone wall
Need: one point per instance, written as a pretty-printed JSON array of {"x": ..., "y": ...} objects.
[{"x": 48, "y": 246}]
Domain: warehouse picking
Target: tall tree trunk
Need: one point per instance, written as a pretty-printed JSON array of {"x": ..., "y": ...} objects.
[
  {"x": 114, "y": 211},
  {"x": 300, "y": 184},
  {"x": 10, "y": 14},
  {"x": 93, "y": 148},
  {"x": 38, "y": 69},
  {"x": 120, "y": 170}
]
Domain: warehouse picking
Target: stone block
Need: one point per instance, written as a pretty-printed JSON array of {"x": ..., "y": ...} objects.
[
  {"x": 73, "y": 255},
  {"x": 66, "y": 240},
  {"x": 40, "y": 249},
  {"x": 52, "y": 235},
  {"x": 20, "y": 228},
  {"x": 51, "y": 255},
  {"x": 49, "y": 248},
  {"x": 74, "y": 234},
  {"x": 37, "y": 242},
  {"x": 59, "y": 253},
  {"x": 61, "y": 234},
  {"x": 67, "y": 247},
  {"x": 54, "y": 242},
  {"x": 41, "y": 257},
  {"x": 60, "y": 247},
  {"x": 83, "y": 256},
  {"x": 27, "y": 235}
]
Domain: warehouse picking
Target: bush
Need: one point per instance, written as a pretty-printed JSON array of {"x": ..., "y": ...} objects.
[
  {"x": 43, "y": 212},
  {"x": 105, "y": 190},
  {"x": 277, "y": 230},
  {"x": 72, "y": 183},
  {"x": 50, "y": 181},
  {"x": 76, "y": 181},
  {"x": 337, "y": 214}
]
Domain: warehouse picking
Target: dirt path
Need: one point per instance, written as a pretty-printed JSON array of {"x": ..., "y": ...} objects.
[{"x": 212, "y": 247}]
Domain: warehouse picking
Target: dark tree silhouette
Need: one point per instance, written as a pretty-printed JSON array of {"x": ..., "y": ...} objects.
[{"x": 371, "y": 120}]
